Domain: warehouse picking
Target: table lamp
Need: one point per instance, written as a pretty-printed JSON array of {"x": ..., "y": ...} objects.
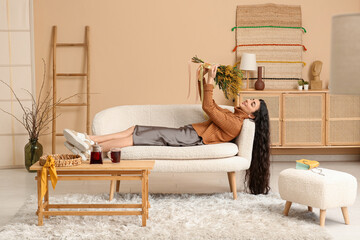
[
  {"x": 345, "y": 54},
  {"x": 248, "y": 63}
]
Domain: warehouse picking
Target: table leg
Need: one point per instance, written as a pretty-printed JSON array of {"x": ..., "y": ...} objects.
[
  {"x": 47, "y": 198},
  {"x": 118, "y": 185},
  {"x": 147, "y": 194},
  {"x": 40, "y": 204},
  {"x": 143, "y": 195},
  {"x": 112, "y": 188},
  {"x": 149, "y": 206}
]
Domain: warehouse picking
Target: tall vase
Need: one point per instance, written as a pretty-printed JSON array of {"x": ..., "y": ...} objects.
[
  {"x": 259, "y": 84},
  {"x": 33, "y": 152}
]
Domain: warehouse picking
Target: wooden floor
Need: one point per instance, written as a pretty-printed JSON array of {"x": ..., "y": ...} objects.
[{"x": 16, "y": 185}]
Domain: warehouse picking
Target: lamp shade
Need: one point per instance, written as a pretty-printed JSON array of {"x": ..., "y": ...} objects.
[
  {"x": 248, "y": 62},
  {"x": 345, "y": 54}
]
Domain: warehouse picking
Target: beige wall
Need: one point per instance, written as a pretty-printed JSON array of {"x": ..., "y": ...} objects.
[{"x": 140, "y": 49}]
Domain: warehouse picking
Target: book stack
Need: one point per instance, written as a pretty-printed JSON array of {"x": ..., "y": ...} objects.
[{"x": 306, "y": 164}]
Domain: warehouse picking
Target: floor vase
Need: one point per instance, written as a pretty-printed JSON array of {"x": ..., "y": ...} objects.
[{"x": 33, "y": 152}]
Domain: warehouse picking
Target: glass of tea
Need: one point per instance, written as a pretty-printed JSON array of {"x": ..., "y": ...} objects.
[{"x": 115, "y": 155}]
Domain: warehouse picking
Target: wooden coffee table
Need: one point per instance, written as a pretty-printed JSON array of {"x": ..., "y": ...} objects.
[{"x": 125, "y": 170}]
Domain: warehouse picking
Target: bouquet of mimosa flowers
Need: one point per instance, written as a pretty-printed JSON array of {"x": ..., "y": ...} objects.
[{"x": 228, "y": 78}]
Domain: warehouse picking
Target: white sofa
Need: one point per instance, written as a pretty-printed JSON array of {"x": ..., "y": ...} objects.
[{"x": 223, "y": 157}]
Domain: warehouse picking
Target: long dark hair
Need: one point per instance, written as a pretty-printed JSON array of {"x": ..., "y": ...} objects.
[{"x": 258, "y": 175}]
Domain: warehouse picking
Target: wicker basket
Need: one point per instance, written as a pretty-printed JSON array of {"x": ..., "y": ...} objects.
[{"x": 62, "y": 160}]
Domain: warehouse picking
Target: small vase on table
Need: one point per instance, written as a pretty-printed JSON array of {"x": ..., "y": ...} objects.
[{"x": 259, "y": 84}]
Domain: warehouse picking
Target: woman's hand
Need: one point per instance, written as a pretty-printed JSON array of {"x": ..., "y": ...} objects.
[
  {"x": 205, "y": 71},
  {"x": 212, "y": 74}
]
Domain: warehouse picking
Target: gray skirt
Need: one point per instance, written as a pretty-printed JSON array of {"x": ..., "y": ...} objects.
[{"x": 163, "y": 136}]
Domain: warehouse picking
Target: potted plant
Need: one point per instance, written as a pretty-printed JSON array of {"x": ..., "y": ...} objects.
[
  {"x": 35, "y": 119},
  {"x": 306, "y": 85},
  {"x": 300, "y": 84}
]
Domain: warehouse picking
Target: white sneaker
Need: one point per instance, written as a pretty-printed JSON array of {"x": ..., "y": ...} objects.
[
  {"x": 84, "y": 155},
  {"x": 79, "y": 140}
]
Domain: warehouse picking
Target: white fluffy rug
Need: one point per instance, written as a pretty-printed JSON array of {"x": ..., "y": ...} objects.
[{"x": 173, "y": 216}]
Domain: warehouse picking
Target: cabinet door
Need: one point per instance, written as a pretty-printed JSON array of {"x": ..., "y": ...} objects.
[
  {"x": 343, "y": 120},
  {"x": 273, "y": 103},
  {"x": 303, "y": 119}
]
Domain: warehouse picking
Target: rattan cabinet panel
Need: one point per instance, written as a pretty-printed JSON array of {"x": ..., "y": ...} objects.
[
  {"x": 275, "y": 132},
  {"x": 303, "y": 105},
  {"x": 303, "y": 133},
  {"x": 303, "y": 119},
  {"x": 273, "y": 103},
  {"x": 342, "y": 132},
  {"x": 344, "y": 106},
  {"x": 343, "y": 120}
]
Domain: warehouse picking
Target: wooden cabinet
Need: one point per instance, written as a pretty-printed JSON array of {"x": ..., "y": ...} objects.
[{"x": 310, "y": 118}]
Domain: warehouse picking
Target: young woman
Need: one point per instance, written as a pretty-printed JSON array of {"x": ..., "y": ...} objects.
[{"x": 222, "y": 126}]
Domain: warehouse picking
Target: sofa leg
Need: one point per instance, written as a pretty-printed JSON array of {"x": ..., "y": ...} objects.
[
  {"x": 322, "y": 217},
  {"x": 287, "y": 208},
  {"x": 232, "y": 183},
  {"x": 346, "y": 215}
]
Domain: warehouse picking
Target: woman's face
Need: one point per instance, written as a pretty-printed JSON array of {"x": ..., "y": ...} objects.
[{"x": 250, "y": 105}]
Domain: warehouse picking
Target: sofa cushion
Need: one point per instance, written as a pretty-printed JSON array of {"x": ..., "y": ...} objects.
[
  {"x": 210, "y": 151},
  {"x": 230, "y": 164}
]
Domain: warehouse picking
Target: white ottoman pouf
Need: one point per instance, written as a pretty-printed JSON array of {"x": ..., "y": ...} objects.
[{"x": 320, "y": 188}]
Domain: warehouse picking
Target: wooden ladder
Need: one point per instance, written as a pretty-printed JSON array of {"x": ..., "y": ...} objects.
[{"x": 86, "y": 45}]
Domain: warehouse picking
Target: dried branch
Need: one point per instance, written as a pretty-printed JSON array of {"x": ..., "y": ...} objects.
[
  {"x": 43, "y": 81},
  {"x": 46, "y": 99},
  {"x": 37, "y": 118},
  {"x": 13, "y": 94},
  {"x": 13, "y": 116}
]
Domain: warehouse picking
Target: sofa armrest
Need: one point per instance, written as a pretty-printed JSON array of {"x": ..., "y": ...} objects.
[{"x": 245, "y": 140}]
